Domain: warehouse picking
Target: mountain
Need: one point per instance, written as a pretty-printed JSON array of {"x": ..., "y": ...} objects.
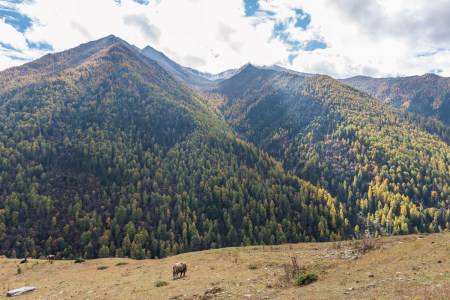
[
  {"x": 188, "y": 75},
  {"x": 427, "y": 95},
  {"x": 105, "y": 153},
  {"x": 201, "y": 80},
  {"x": 192, "y": 77},
  {"x": 220, "y": 76},
  {"x": 387, "y": 173}
]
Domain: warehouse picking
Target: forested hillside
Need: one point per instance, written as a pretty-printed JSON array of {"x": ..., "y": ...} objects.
[
  {"x": 388, "y": 173},
  {"x": 427, "y": 95},
  {"x": 107, "y": 152},
  {"x": 103, "y": 153}
]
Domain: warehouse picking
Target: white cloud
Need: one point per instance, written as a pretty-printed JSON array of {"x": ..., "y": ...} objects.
[
  {"x": 371, "y": 37},
  {"x": 378, "y": 38},
  {"x": 12, "y": 37},
  {"x": 190, "y": 31},
  {"x": 13, "y": 47}
]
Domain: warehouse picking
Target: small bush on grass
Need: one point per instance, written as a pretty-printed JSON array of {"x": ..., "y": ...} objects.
[
  {"x": 306, "y": 278},
  {"x": 122, "y": 263},
  {"x": 161, "y": 283},
  {"x": 293, "y": 269},
  {"x": 252, "y": 266},
  {"x": 368, "y": 243},
  {"x": 102, "y": 268}
]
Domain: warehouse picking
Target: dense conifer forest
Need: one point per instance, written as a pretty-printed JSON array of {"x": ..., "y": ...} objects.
[
  {"x": 426, "y": 95},
  {"x": 105, "y": 153},
  {"x": 113, "y": 157},
  {"x": 388, "y": 170}
]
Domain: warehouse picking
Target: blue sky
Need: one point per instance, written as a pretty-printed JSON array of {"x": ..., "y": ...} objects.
[
  {"x": 340, "y": 38},
  {"x": 299, "y": 20},
  {"x": 14, "y": 18},
  {"x": 251, "y": 7}
]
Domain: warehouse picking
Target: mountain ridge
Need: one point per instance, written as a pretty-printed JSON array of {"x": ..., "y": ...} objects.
[
  {"x": 325, "y": 131},
  {"x": 436, "y": 107},
  {"x": 427, "y": 95},
  {"x": 110, "y": 155}
]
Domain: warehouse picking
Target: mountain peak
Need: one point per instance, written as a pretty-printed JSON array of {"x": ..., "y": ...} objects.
[
  {"x": 150, "y": 48},
  {"x": 249, "y": 67},
  {"x": 112, "y": 37},
  {"x": 430, "y": 76},
  {"x": 190, "y": 76},
  {"x": 54, "y": 63},
  {"x": 101, "y": 43},
  {"x": 157, "y": 55}
]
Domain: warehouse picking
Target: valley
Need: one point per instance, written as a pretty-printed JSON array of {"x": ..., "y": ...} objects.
[
  {"x": 239, "y": 149},
  {"x": 108, "y": 150},
  {"x": 125, "y": 161}
]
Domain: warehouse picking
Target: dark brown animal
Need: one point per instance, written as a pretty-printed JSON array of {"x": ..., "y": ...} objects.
[
  {"x": 51, "y": 257},
  {"x": 179, "y": 270}
]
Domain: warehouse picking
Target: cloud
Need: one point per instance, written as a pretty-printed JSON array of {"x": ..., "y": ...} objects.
[
  {"x": 377, "y": 38},
  {"x": 194, "y": 61},
  {"x": 82, "y": 30},
  {"x": 151, "y": 32},
  {"x": 416, "y": 21},
  {"x": 336, "y": 37},
  {"x": 14, "y": 47},
  {"x": 226, "y": 33},
  {"x": 212, "y": 35}
]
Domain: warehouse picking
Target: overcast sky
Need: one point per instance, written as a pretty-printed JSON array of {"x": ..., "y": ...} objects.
[{"x": 340, "y": 38}]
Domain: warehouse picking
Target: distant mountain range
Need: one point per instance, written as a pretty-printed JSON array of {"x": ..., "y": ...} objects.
[
  {"x": 333, "y": 136},
  {"x": 197, "y": 79},
  {"x": 427, "y": 95},
  {"x": 111, "y": 150}
]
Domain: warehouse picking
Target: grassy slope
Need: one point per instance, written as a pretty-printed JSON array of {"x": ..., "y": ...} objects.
[{"x": 402, "y": 266}]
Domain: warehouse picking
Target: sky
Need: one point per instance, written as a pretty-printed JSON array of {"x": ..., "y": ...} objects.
[{"x": 340, "y": 38}]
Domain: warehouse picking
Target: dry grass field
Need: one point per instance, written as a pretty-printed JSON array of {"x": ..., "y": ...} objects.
[{"x": 403, "y": 267}]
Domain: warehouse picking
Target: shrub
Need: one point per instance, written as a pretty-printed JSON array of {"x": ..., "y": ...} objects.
[
  {"x": 252, "y": 266},
  {"x": 306, "y": 278},
  {"x": 292, "y": 270},
  {"x": 161, "y": 283},
  {"x": 368, "y": 243},
  {"x": 102, "y": 268},
  {"x": 79, "y": 260},
  {"x": 122, "y": 263},
  {"x": 337, "y": 245}
]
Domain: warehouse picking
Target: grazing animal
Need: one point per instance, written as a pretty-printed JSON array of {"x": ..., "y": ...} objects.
[
  {"x": 179, "y": 270},
  {"x": 24, "y": 261},
  {"x": 51, "y": 257}
]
